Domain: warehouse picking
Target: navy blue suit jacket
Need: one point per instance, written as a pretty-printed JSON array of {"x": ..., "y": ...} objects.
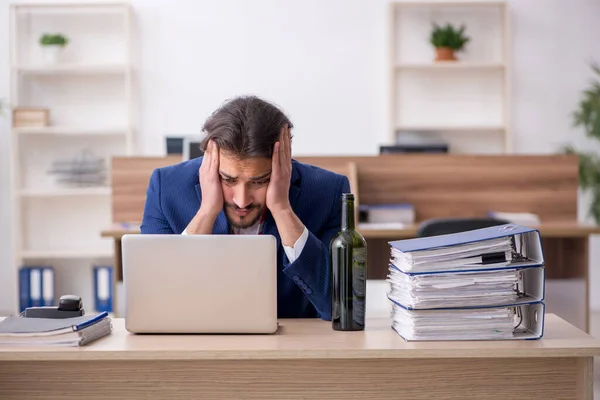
[{"x": 303, "y": 287}]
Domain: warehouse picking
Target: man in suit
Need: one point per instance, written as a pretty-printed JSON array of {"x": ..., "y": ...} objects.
[{"x": 248, "y": 183}]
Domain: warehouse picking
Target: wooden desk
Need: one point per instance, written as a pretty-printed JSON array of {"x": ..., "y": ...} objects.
[{"x": 306, "y": 359}]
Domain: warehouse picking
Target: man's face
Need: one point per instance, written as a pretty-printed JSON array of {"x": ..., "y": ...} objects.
[{"x": 244, "y": 184}]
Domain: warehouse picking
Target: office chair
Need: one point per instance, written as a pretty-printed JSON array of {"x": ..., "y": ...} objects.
[{"x": 443, "y": 226}]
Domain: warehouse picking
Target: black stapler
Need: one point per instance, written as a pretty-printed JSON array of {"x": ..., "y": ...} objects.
[{"x": 69, "y": 306}]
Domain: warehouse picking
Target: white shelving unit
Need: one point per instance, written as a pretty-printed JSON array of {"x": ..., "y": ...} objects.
[
  {"x": 89, "y": 97},
  {"x": 464, "y": 103}
]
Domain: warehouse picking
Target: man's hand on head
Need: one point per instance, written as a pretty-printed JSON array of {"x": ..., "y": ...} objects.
[
  {"x": 281, "y": 173},
  {"x": 278, "y": 192},
  {"x": 212, "y": 193},
  {"x": 210, "y": 183}
]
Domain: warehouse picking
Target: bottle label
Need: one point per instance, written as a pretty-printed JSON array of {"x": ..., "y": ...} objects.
[{"x": 359, "y": 283}]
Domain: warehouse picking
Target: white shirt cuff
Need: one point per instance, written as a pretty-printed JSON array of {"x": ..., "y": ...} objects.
[
  {"x": 293, "y": 253},
  {"x": 184, "y": 232}
]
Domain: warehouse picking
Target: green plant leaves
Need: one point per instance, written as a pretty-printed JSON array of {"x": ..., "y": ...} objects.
[
  {"x": 448, "y": 36},
  {"x": 57, "y": 39},
  {"x": 587, "y": 116},
  {"x": 589, "y": 168}
]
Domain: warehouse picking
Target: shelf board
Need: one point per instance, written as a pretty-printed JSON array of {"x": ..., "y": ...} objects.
[
  {"x": 67, "y": 192},
  {"x": 71, "y": 69},
  {"x": 67, "y": 254},
  {"x": 448, "y": 128},
  {"x": 443, "y": 3},
  {"x": 90, "y": 5},
  {"x": 450, "y": 65},
  {"x": 71, "y": 131}
]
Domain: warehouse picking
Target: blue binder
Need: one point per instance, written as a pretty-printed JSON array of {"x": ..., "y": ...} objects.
[
  {"x": 30, "y": 287},
  {"x": 529, "y": 325},
  {"x": 36, "y": 287},
  {"x": 531, "y": 287},
  {"x": 472, "y": 236},
  {"x": 526, "y": 247},
  {"x": 47, "y": 286},
  {"x": 103, "y": 288}
]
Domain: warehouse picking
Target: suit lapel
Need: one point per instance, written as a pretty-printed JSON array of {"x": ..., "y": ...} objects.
[
  {"x": 270, "y": 228},
  {"x": 221, "y": 226},
  {"x": 294, "y": 186}
]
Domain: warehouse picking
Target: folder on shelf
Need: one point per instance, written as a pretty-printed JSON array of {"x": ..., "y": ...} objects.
[
  {"x": 77, "y": 331},
  {"x": 30, "y": 287},
  {"x": 507, "y": 246},
  {"x": 47, "y": 286},
  {"x": 103, "y": 288},
  {"x": 36, "y": 287},
  {"x": 508, "y": 322}
]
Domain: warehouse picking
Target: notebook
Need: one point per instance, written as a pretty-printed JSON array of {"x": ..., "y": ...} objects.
[{"x": 78, "y": 331}]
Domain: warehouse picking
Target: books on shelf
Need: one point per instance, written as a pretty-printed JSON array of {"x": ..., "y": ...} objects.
[
  {"x": 484, "y": 284},
  {"x": 385, "y": 216},
  {"x": 519, "y": 218}
]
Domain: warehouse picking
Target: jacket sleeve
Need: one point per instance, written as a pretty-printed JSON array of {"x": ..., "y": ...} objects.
[
  {"x": 154, "y": 221},
  {"x": 311, "y": 271}
]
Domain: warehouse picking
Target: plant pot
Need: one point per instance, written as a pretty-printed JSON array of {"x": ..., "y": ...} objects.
[
  {"x": 52, "y": 54},
  {"x": 444, "y": 54}
]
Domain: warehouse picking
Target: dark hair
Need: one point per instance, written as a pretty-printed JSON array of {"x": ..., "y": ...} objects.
[{"x": 246, "y": 127}]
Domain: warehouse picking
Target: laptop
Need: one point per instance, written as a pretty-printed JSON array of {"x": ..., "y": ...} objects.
[{"x": 221, "y": 284}]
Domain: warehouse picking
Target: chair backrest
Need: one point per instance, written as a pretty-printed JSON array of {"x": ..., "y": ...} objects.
[{"x": 443, "y": 226}]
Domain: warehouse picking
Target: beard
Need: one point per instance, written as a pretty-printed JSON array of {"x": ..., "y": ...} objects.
[{"x": 246, "y": 221}]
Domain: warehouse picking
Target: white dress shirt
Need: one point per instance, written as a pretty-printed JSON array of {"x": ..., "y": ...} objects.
[{"x": 292, "y": 253}]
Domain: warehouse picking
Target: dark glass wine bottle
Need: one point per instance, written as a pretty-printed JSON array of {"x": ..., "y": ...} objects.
[{"x": 348, "y": 253}]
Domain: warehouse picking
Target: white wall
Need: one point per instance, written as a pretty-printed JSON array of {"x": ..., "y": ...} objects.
[
  {"x": 7, "y": 273},
  {"x": 325, "y": 64}
]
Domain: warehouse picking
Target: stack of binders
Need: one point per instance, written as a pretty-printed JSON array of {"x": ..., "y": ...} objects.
[{"x": 484, "y": 284}]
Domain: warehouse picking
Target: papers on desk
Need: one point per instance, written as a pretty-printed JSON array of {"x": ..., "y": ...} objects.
[
  {"x": 78, "y": 331},
  {"x": 480, "y": 255},
  {"x": 475, "y": 285},
  {"x": 438, "y": 325},
  {"x": 453, "y": 290}
]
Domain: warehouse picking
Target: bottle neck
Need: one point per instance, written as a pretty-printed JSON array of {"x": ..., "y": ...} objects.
[{"x": 348, "y": 215}]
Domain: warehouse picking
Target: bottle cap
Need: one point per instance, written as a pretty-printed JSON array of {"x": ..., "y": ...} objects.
[{"x": 347, "y": 196}]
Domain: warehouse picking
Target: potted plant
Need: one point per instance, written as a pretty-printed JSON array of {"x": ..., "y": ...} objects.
[
  {"x": 53, "y": 44},
  {"x": 448, "y": 40},
  {"x": 587, "y": 116}
]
